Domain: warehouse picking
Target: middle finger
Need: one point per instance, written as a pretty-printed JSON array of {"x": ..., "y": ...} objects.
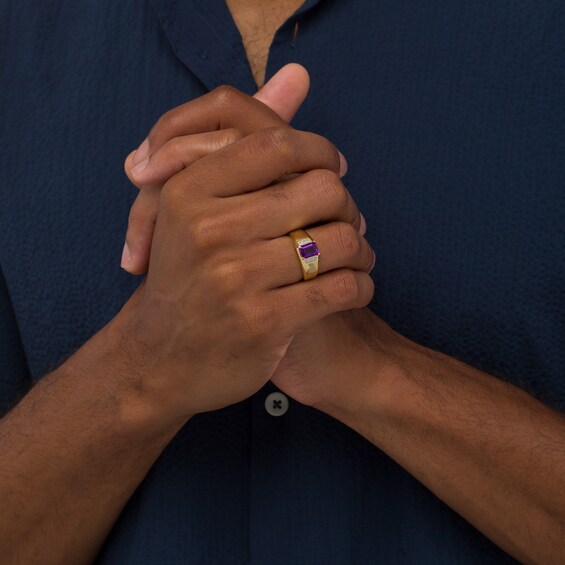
[{"x": 311, "y": 198}]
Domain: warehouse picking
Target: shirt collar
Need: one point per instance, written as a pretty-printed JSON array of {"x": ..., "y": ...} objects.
[{"x": 204, "y": 37}]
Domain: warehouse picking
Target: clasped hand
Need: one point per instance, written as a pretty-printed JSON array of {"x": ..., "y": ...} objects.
[{"x": 224, "y": 180}]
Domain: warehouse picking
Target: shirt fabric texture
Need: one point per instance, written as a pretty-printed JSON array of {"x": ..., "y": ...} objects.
[{"x": 451, "y": 115}]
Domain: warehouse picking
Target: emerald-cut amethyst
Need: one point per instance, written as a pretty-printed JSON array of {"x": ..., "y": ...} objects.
[{"x": 308, "y": 250}]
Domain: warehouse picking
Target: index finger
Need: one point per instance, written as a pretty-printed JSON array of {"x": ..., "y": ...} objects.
[
  {"x": 254, "y": 163},
  {"x": 223, "y": 108}
]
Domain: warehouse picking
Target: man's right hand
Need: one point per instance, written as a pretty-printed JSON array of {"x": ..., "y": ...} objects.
[{"x": 224, "y": 295}]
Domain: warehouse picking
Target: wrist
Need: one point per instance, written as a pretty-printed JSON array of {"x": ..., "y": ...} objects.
[
  {"x": 387, "y": 367},
  {"x": 112, "y": 367}
]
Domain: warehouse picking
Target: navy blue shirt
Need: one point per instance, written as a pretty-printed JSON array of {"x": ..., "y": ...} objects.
[{"x": 452, "y": 117}]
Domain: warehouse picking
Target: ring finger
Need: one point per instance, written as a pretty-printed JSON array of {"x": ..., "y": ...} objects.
[{"x": 340, "y": 246}]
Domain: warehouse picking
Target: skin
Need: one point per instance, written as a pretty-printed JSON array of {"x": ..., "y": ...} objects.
[
  {"x": 258, "y": 22},
  {"x": 206, "y": 329},
  {"x": 284, "y": 94},
  {"x": 489, "y": 450}
]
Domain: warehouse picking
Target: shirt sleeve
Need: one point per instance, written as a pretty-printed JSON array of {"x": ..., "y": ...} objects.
[{"x": 15, "y": 378}]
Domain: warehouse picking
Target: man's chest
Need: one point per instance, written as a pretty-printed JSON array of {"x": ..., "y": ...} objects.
[{"x": 257, "y": 22}]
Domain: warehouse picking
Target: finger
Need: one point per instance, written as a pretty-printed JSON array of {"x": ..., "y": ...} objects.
[
  {"x": 226, "y": 107},
  {"x": 141, "y": 225},
  {"x": 304, "y": 303},
  {"x": 313, "y": 197},
  {"x": 223, "y": 108},
  {"x": 362, "y": 225},
  {"x": 286, "y": 91},
  {"x": 176, "y": 154},
  {"x": 254, "y": 163},
  {"x": 340, "y": 245},
  {"x": 128, "y": 166}
]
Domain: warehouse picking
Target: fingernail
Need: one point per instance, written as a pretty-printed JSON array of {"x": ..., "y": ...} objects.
[
  {"x": 126, "y": 257},
  {"x": 342, "y": 165},
  {"x": 141, "y": 153},
  {"x": 139, "y": 168},
  {"x": 374, "y": 261},
  {"x": 362, "y": 224}
]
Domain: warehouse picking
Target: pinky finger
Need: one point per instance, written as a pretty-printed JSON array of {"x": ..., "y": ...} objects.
[{"x": 307, "y": 302}]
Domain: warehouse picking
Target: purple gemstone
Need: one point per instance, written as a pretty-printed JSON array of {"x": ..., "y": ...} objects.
[{"x": 308, "y": 250}]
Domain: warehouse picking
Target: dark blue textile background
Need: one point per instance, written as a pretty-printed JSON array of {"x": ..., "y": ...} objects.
[{"x": 452, "y": 117}]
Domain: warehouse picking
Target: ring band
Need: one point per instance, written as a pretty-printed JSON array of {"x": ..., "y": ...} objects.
[{"x": 307, "y": 252}]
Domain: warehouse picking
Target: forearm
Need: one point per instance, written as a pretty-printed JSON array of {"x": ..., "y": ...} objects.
[
  {"x": 490, "y": 451},
  {"x": 72, "y": 453}
]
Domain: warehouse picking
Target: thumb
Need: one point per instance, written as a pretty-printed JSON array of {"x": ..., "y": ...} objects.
[{"x": 286, "y": 90}]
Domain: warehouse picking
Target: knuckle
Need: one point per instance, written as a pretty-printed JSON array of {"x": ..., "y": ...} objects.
[
  {"x": 369, "y": 256},
  {"x": 169, "y": 199},
  {"x": 182, "y": 188},
  {"x": 232, "y": 135},
  {"x": 276, "y": 140},
  {"x": 346, "y": 287},
  {"x": 173, "y": 195},
  {"x": 281, "y": 192},
  {"x": 347, "y": 240},
  {"x": 317, "y": 297},
  {"x": 230, "y": 278},
  {"x": 333, "y": 155},
  {"x": 239, "y": 275},
  {"x": 366, "y": 299},
  {"x": 198, "y": 234},
  {"x": 170, "y": 120},
  {"x": 226, "y": 95},
  {"x": 207, "y": 232},
  {"x": 331, "y": 187},
  {"x": 328, "y": 152},
  {"x": 174, "y": 147}
]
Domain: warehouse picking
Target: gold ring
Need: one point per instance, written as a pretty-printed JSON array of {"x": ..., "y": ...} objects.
[{"x": 307, "y": 252}]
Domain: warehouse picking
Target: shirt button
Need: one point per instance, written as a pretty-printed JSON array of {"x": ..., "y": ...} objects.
[{"x": 276, "y": 404}]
